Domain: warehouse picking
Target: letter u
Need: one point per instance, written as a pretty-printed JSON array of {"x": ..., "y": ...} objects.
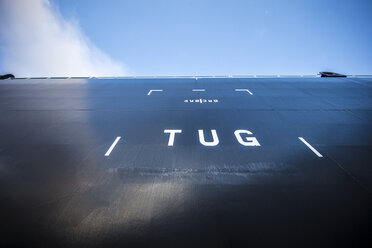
[{"x": 208, "y": 143}]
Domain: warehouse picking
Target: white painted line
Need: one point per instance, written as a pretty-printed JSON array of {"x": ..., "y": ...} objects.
[
  {"x": 245, "y": 90},
  {"x": 311, "y": 148},
  {"x": 152, "y": 91},
  {"x": 198, "y": 90},
  {"x": 112, "y": 146}
]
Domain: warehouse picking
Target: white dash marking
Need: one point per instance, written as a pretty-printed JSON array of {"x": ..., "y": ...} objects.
[
  {"x": 311, "y": 148},
  {"x": 198, "y": 90},
  {"x": 250, "y": 92},
  {"x": 152, "y": 91},
  {"x": 245, "y": 90},
  {"x": 112, "y": 146}
]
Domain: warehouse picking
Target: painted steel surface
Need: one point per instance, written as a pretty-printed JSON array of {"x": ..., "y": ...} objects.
[{"x": 186, "y": 162}]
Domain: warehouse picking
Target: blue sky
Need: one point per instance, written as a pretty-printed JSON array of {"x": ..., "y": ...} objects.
[{"x": 235, "y": 37}]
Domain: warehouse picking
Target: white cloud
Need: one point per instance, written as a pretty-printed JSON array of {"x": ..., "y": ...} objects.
[{"x": 37, "y": 41}]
